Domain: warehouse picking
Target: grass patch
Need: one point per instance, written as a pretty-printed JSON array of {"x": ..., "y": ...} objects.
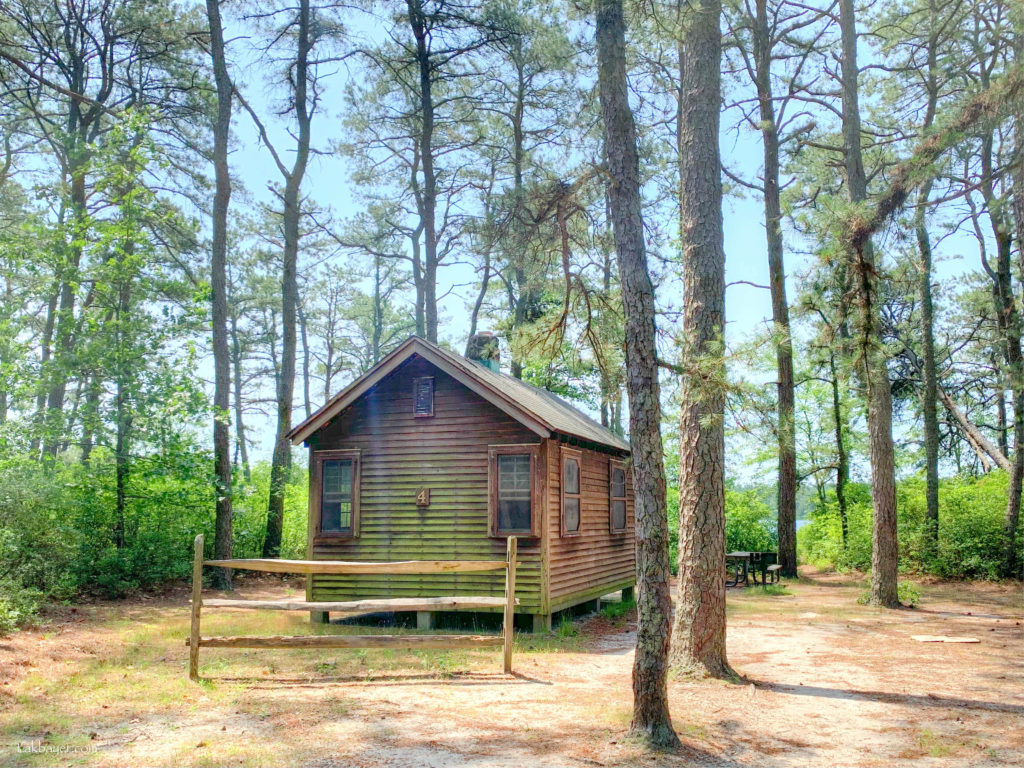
[
  {"x": 618, "y": 610},
  {"x": 939, "y": 745},
  {"x": 776, "y": 590},
  {"x": 566, "y": 628},
  {"x": 908, "y": 595}
]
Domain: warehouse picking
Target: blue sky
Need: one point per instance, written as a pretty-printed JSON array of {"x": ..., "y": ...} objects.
[{"x": 748, "y": 308}]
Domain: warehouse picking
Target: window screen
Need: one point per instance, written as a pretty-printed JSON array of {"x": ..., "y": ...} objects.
[
  {"x": 618, "y": 499},
  {"x": 571, "y": 495},
  {"x": 514, "y": 492},
  {"x": 336, "y": 496}
]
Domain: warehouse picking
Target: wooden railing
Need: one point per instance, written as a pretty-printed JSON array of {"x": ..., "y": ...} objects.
[{"x": 356, "y": 607}]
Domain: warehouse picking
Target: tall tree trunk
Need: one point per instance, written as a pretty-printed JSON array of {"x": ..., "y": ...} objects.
[
  {"x": 651, "y": 720},
  {"x": 304, "y": 335},
  {"x": 786, "y": 389},
  {"x": 698, "y": 634},
  {"x": 842, "y": 462},
  {"x": 1008, "y": 322},
  {"x": 122, "y": 414},
  {"x": 90, "y": 415},
  {"x": 282, "y": 459},
  {"x": 929, "y": 384},
  {"x": 884, "y": 551},
  {"x": 63, "y": 339},
  {"x": 1011, "y": 549},
  {"x": 485, "y": 280},
  {"x": 45, "y": 352},
  {"x": 1001, "y": 429},
  {"x": 5, "y": 356},
  {"x": 236, "y": 366},
  {"x": 378, "y": 314},
  {"x": 223, "y": 543},
  {"x": 608, "y": 382},
  {"x": 427, "y": 195}
]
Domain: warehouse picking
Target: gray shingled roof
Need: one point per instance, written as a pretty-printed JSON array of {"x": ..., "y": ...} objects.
[
  {"x": 546, "y": 406},
  {"x": 539, "y": 409}
]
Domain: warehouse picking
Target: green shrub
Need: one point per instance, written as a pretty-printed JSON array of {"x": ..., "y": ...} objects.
[
  {"x": 970, "y": 540},
  {"x": 751, "y": 525},
  {"x": 566, "y": 628},
  {"x": 250, "y": 520},
  {"x": 617, "y": 610},
  {"x": 18, "y": 605},
  {"x": 58, "y": 523},
  {"x": 906, "y": 593}
]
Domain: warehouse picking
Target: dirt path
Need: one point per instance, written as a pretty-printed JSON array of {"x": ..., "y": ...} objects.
[{"x": 826, "y": 683}]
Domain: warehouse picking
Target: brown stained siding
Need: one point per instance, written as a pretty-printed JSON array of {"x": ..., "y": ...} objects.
[
  {"x": 596, "y": 558},
  {"x": 447, "y": 453}
]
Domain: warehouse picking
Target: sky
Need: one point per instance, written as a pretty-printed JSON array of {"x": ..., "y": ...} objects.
[{"x": 748, "y": 308}]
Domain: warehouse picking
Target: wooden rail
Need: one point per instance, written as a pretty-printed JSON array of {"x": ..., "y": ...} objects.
[
  {"x": 195, "y": 641},
  {"x": 356, "y": 607}
]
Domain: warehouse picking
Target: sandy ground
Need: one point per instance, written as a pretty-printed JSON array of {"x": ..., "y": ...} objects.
[{"x": 825, "y": 682}]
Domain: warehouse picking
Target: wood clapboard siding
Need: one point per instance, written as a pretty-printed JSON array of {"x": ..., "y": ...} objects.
[
  {"x": 447, "y": 453},
  {"x": 581, "y": 565}
]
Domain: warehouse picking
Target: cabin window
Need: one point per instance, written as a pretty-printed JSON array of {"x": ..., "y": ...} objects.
[
  {"x": 617, "y": 497},
  {"x": 423, "y": 396},
  {"x": 335, "y": 493},
  {"x": 513, "y": 491},
  {"x": 572, "y": 463}
]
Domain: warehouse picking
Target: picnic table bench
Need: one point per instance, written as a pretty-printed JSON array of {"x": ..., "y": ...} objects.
[{"x": 744, "y": 565}]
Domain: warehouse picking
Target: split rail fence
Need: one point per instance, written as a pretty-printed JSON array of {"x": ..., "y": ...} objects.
[{"x": 195, "y": 641}]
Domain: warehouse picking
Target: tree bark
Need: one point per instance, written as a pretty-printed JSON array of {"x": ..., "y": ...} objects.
[
  {"x": 223, "y": 532},
  {"x": 884, "y": 551},
  {"x": 698, "y": 634},
  {"x": 236, "y": 365},
  {"x": 651, "y": 721},
  {"x": 427, "y": 195},
  {"x": 929, "y": 384},
  {"x": 786, "y": 389},
  {"x": 304, "y": 334},
  {"x": 63, "y": 339},
  {"x": 842, "y": 462},
  {"x": 282, "y": 459},
  {"x": 1011, "y": 553},
  {"x": 45, "y": 352}
]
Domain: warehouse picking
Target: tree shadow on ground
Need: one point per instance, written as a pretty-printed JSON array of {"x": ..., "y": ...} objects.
[
  {"x": 498, "y": 745},
  {"x": 907, "y": 699}
]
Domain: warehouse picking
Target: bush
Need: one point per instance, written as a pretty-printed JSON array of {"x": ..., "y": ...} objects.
[
  {"x": 58, "y": 523},
  {"x": 251, "y": 513},
  {"x": 906, "y": 593},
  {"x": 971, "y": 518},
  {"x": 18, "y": 605},
  {"x": 751, "y": 525}
]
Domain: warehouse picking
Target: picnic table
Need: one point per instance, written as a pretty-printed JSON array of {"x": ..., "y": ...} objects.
[{"x": 745, "y": 565}]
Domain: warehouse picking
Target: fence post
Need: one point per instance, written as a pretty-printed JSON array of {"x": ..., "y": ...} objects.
[
  {"x": 510, "y": 602},
  {"x": 197, "y": 602}
]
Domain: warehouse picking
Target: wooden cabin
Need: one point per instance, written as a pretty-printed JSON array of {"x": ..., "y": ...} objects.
[{"x": 432, "y": 455}]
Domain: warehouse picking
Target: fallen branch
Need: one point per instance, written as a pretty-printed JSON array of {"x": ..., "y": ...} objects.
[{"x": 981, "y": 444}]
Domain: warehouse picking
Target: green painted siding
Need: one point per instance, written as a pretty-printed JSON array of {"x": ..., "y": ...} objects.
[{"x": 447, "y": 453}]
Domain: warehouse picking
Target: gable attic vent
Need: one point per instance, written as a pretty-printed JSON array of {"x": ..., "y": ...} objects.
[{"x": 423, "y": 396}]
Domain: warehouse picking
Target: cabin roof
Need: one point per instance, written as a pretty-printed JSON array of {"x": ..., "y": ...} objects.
[{"x": 541, "y": 411}]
